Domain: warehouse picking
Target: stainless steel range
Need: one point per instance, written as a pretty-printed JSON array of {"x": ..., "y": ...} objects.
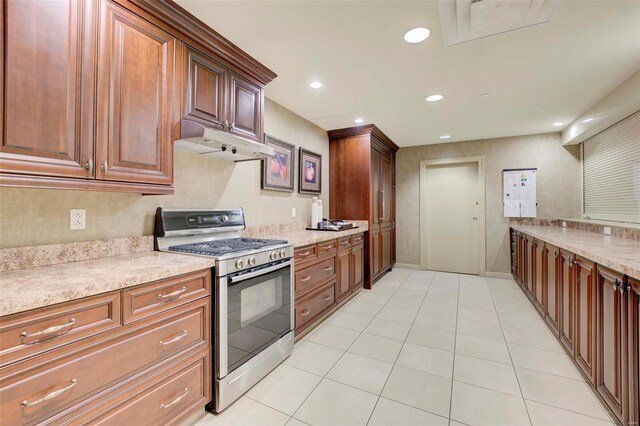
[{"x": 253, "y": 297}]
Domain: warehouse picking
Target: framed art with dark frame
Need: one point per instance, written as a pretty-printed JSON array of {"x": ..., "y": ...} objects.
[
  {"x": 310, "y": 172},
  {"x": 277, "y": 172}
]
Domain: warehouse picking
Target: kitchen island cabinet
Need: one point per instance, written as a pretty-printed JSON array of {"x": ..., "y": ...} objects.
[{"x": 592, "y": 308}]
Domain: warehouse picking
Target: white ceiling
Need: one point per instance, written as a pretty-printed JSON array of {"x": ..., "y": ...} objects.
[{"x": 534, "y": 76}]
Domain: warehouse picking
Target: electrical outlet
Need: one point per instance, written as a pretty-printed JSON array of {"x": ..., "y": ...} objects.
[
  {"x": 293, "y": 212},
  {"x": 606, "y": 230},
  {"x": 77, "y": 219}
]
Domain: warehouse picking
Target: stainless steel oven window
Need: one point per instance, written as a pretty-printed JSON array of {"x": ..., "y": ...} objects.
[{"x": 255, "y": 312}]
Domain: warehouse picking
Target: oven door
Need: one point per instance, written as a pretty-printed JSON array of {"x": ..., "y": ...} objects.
[{"x": 255, "y": 310}]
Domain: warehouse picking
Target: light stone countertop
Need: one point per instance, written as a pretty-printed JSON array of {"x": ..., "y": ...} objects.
[
  {"x": 304, "y": 238},
  {"x": 26, "y": 289},
  {"x": 614, "y": 253}
]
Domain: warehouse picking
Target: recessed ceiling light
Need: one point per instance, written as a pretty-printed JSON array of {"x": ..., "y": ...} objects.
[
  {"x": 416, "y": 35},
  {"x": 434, "y": 98},
  {"x": 358, "y": 120},
  {"x": 445, "y": 136},
  {"x": 588, "y": 120},
  {"x": 484, "y": 95},
  {"x": 316, "y": 85},
  {"x": 558, "y": 123}
]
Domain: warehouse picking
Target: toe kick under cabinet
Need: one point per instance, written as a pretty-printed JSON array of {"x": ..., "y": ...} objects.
[
  {"x": 139, "y": 356},
  {"x": 326, "y": 275},
  {"x": 593, "y": 311}
]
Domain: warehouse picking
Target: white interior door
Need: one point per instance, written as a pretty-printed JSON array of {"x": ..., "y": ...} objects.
[{"x": 450, "y": 204}]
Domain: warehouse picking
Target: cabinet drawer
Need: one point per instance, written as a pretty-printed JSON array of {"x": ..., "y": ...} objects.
[
  {"x": 344, "y": 242},
  {"x": 357, "y": 239},
  {"x": 30, "y": 333},
  {"x": 312, "y": 275},
  {"x": 304, "y": 254},
  {"x": 164, "y": 399},
  {"x": 314, "y": 305},
  {"x": 148, "y": 299},
  {"x": 40, "y": 387},
  {"x": 327, "y": 247}
]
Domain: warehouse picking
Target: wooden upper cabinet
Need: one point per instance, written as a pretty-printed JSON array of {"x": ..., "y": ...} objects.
[
  {"x": 48, "y": 85},
  {"x": 135, "y": 84},
  {"x": 205, "y": 90},
  {"x": 376, "y": 197},
  {"x": 245, "y": 108},
  {"x": 386, "y": 191}
]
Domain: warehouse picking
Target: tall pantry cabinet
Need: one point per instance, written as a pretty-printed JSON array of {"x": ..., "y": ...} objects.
[{"x": 362, "y": 187}]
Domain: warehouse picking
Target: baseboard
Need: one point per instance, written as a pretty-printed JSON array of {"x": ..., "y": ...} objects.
[
  {"x": 407, "y": 266},
  {"x": 501, "y": 275}
]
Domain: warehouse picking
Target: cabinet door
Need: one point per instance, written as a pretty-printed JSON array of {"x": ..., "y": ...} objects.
[
  {"x": 611, "y": 336},
  {"x": 585, "y": 347},
  {"x": 245, "y": 101},
  {"x": 343, "y": 274},
  {"x": 135, "y": 83},
  {"x": 385, "y": 248},
  {"x": 205, "y": 90},
  {"x": 48, "y": 53},
  {"x": 567, "y": 296},
  {"x": 552, "y": 288},
  {"x": 529, "y": 255},
  {"x": 539, "y": 275},
  {"x": 374, "y": 256},
  {"x": 357, "y": 267},
  {"x": 376, "y": 213},
  {"x": 633, "y": 349},
  {"x": 386, "y": 191}
]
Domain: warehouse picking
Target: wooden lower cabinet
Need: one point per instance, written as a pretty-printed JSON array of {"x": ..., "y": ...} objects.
[
  {"x": 529, "y": 269},
  {"x": 552, "y": 288},
  {"x": 69, "y": 381},
  {"x": 539, "y": 253},
  {"x": 567, "y": 298},
  {"x": 612, "y": 375},
  {"x": 633, "y": 349},
  {"x": 585, "y": 325},
  {"x": 326, "y": 275}
]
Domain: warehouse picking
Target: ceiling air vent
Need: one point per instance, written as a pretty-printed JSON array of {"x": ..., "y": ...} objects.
[{"x": 467, "y": 20}]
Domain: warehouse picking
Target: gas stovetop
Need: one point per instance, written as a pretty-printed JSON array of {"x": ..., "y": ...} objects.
[{"x": 226, "y": 246}]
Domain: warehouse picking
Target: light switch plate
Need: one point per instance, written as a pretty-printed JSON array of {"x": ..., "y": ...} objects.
[
  {"x": 293, "y": 212},
  {"x": 77, "y": 219},
  {"x": 606, "y": 230}
]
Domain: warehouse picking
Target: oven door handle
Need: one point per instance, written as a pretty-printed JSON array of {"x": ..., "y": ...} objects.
[{"x": 239, "y": 278}]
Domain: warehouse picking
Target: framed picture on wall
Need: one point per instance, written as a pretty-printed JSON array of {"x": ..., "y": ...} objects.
[
  {"x": 310, "y": 172},
  {"x": 277, "y": 172}
]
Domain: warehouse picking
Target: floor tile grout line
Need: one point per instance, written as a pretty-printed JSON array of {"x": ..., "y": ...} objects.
[
  {"x": 453, "y": 366},
  {"x": 570, "y": 411},
  {"x": 398, "y": 355},
  {"x": 512, "y": 364}
]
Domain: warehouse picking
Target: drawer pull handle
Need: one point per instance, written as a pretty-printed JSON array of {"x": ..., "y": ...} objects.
[
  {"x": 306, "y": 253},
  {"x": 305, "y": 279},
  {"x": 49, "y": 333},
  {"x": 344, "y": 242},
  {"x": 178, "y": 399},
  {"x": 175, "y": 339},
  {"x": 328, "y": 268},
  {"x": 171, "y": 296},
  {"x": 305, "y": 312},
  {"x": 327, "y": 297},
  {"x": 327, "y": 247},
  {"x": 50, "y": 395}
]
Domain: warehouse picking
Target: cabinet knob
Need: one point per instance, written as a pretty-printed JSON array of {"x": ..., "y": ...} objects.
[
  {"x": 104, "y": 167},
  {"x": 89, "y": 166},
  {"x": 225, "y": 125}
]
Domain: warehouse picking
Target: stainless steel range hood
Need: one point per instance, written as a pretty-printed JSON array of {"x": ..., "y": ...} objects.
[{"x": 195, "y": 137}]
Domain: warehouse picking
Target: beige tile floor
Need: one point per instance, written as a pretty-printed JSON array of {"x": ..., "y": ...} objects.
[{"x": 424, "y": 348}]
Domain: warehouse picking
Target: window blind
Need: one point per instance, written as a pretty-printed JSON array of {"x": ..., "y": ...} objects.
[{"x": 611, "y": 172}]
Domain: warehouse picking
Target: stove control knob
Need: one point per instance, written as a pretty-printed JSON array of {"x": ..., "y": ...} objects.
[
  {"x": 273, "y": 255},
  {"x": 283, "y": 253},
  {"x": 252, "y": 260},
  {"x": 239, "y": 264}
]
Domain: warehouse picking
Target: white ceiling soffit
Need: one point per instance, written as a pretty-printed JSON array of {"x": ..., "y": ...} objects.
[{"x": 466, "y": 20}]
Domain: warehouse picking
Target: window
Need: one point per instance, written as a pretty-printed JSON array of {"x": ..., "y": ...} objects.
[{"x": 611, "y": 172}]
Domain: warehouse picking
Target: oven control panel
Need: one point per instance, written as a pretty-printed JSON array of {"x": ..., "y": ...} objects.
[{"x": 253, "y": 260}]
